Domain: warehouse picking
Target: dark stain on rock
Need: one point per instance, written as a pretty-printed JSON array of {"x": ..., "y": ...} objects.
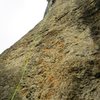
[
  {"x": 97, "y": 75},
  {"x": 90, "y": 18}
]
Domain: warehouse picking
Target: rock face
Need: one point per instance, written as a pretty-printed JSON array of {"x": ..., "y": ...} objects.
[{"x": 57, "y": 60}]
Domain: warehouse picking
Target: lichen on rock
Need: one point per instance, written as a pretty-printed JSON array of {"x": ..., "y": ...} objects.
[{"x": 59, "y": 59}]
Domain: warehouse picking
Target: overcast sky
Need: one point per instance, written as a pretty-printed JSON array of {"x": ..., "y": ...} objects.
[{"x": 17, "y": 17}]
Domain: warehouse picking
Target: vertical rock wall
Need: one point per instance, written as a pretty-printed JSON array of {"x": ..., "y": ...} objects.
[{"x": 59, "y": 59}]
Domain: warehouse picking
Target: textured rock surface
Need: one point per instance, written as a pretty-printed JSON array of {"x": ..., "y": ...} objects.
[{"x": 57, "y": 60}]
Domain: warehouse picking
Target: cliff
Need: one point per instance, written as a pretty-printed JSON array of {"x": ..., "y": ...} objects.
[{"x": 59, "y": 59}]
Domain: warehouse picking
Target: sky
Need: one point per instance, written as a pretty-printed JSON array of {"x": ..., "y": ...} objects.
[{"x": 17, "y": 17}]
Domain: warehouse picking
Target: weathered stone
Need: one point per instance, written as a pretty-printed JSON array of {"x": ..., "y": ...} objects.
[{"x": 57, "y": 60}]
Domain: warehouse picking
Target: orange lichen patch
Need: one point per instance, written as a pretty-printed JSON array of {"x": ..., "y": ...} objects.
[
  {"x": 52, "y": 81},
  {"x": 49, "y": 51},
  {"x": 60, "y": 43},
  {"x": 50, "y": 78},
  {"x": 49, "y": 95},
  {"x": 46, "y": 50}
]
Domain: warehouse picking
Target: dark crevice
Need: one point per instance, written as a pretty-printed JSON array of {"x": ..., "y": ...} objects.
[
  {"x": 97, "y": 75},
  {"x": 90, "y": 12},
  {"x": 57, "y": 19},
  {"x": 91, "y": 18}
]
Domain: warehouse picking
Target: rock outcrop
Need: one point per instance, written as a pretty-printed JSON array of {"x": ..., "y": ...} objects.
[{"x": 59, "y": 59}]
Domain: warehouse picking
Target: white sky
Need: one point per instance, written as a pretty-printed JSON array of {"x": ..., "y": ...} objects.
[{"x": 17, "y": 17}]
